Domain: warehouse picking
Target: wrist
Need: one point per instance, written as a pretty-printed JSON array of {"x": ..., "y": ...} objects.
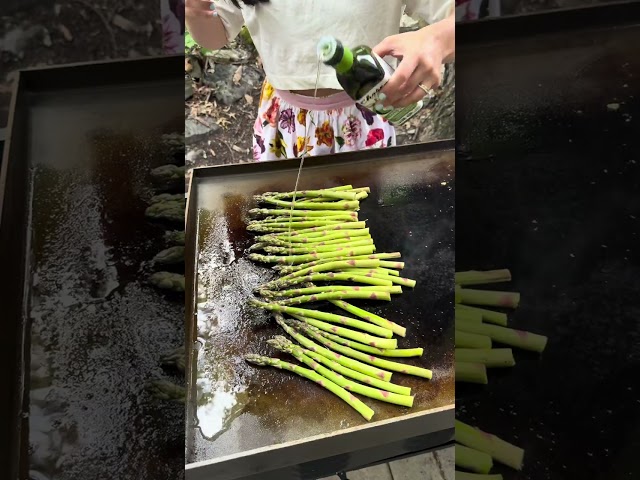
[{"x": 442, "y": 34}]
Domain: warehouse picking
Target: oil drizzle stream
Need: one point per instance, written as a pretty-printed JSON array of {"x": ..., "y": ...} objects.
[{"x": 302, "y": 155}]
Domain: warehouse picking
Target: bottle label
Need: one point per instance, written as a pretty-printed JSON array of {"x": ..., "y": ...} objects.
[{"x": 396, "y": 116}]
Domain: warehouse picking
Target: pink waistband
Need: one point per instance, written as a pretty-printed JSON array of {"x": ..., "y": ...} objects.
[{"x": 337, "y": 100}]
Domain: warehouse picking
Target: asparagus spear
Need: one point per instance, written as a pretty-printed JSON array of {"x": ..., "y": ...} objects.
[
  {"x": 168, "y": 281},
  {"x": 175, "y": 237},
  {"x": 310, "y": 249},
  {"x": 340, "y": 205},
  {"x": 350, "y": 363},
  {"x": 374, "y": 256},
  {"x": 384, "y": 352},
  {"x": 472, "y": 340},
  {"x": 321, "y": 230},
  {"x": 170, "y": 256},
  {"x": 489, "y": 298},
  {"x": 471, "y": 372},
  {"x": 468, "y": 316},
  {"x": 286, "y": 227},
  {"x": 175, "y": 359},
  {"x": 475, "y": 277},
  {"x": 284, "y": 345},
  {"x": 327, "y": 266},
  {"x": 405, "y": 282},
  {"x": 302, "y": 213},
  {"x": 173, "y": 144},
  {"x": 327, "y": 317},
  {"x": 508, "y": 336},
  {"x": 490, "y": 316},
  {"x": 167, "y": 197},
  {"x": 311, "y": 256},
  {"x": 333, "y": 288},
  {"x": 491, "y": 358},
  {"x": 382, "y": 322},
  {"x": 332, "y": 277},
  {"x": 165, "y": 390},
  {"x": 338, "y": 195},
  {"x": 360, "y": 407},
  {"x": 472, "y": 459},
  {"x": 333, "y": 235},
  {"x": 377, "y": 295},
  {"x": 172, "y": 210},
  {"x": 498, "y": 449},
  {"x": 379, "y": 362},
  {"x": 389, "y": 343},
  {"x": 168, "y": 176}
]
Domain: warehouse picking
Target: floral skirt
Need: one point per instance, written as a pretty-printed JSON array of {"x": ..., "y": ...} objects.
[{"x": 290, "y": 125}]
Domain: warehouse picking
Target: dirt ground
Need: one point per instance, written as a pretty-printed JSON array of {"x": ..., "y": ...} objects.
[{"x": 69, "y": 31}]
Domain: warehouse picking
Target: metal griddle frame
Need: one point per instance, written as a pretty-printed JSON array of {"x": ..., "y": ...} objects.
[
  {"x": 322, "y": 455},
  {"x": 14, "y": 211}
]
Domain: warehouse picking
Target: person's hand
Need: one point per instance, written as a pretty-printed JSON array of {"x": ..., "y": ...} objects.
[
  {"x": 199, "y": 9},
  {"x": 421, "y": 55}
]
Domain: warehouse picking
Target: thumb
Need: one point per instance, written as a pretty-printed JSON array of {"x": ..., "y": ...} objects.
[{"x": 385, "y": 47}]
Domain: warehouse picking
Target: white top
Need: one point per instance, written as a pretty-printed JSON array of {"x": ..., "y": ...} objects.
[{"x": 286, "y": 32}]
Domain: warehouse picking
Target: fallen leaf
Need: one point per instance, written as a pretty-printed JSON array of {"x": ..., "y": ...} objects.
[
  {"x": 238, "y": 149},
  {"x": 237, "y": 76},
  {"x": 249, "y": 99}
]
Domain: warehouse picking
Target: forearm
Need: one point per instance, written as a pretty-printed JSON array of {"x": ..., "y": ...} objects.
[{"x": 208, "y": 32}]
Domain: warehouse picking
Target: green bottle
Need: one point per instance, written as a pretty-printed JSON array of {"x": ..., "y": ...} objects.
[{"x": 362, "y": 75}]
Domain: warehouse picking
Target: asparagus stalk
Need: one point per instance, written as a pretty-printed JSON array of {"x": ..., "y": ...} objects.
[
  {"x": 490, "y": 316},
  {"x": 284, "y": 345},
  {"x": 491, "y": 358},
  {"x": 332, "y": 277},
  {"x": 489, "y": 298},
  {"x": 471, "y": 340},
  {"x": 170, "y": 256},
  {"x": 472, "y": 459},
  {"x": 370, "y": 317},
  {"x": 335, "y": 235},
  {"x": 515, "y": 338},
  {"x": 175, "y": 237},
  {"x": 333, "y": 288},
  {"x": 310, "y": 249},
  {"x": 384, "y": 352},
  {"x": 390, "y": 343},
  {"x": 293, "y": 268},
  {"x": 302, "y": 213},
  {"x": 312, "y": 256},
  {"x": 471, "y": 372},
  {"x": 468, "y": 316},
  {"x": 405, "y": 282},
  {"x": 284, "y": 225},
  {"x": 348, "y": 294},
  {"x": 324, "y": 193},
  {"x": 475, "y": 277},
  {"x": 476, "y": 476},
  {"x": 498, "y": 449},
  {"x": 322, "y": 230},
  {"x": 370, "y": 359},
  {"x": 326, "y": 317},
  {"x": 176, "y": 358},
  {"x": 361, "y": 377},
  {"x": 165, "y": 390},
  {"x": 360, "y": 407},
  {"x": 340, "y": 205},
  {"x": 171, "y": 210},
  {"x": 329, "y": 266},
  {"x": 375, "y": 373},
  {"x": 168, "y": 281}
]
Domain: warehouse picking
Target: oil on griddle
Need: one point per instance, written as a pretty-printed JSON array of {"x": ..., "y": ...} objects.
[
  {"x": 100, "y": 329},
  {"x": 241, "y": 407}
]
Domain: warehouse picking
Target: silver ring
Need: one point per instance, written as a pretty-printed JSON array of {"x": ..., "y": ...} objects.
[{"x": 212, "y": 6}]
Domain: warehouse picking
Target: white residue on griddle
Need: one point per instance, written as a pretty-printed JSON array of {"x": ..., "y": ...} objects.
[{"x": 216, "y": 400}]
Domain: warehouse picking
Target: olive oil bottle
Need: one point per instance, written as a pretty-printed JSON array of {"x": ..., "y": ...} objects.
[{"x": 362, "y": 75}]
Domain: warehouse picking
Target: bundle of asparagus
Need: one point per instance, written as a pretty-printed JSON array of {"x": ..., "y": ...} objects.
[
  {"x": 477, "y": 327},
  {"x": 323, "y": 252}
]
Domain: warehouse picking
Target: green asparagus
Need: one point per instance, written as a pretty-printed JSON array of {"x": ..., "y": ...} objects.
[
  {"x": 500, "y": 450},
  {"x": 349, "y": 398},
  {"x": 170, "y": 256},
  {"x": 168, "y": 281},
  {"x": 175, "y": 237},
  {"x": 165, "y": 390},
  {"x": 168, "y": 176},
  {"x": 171, "y": 210}
]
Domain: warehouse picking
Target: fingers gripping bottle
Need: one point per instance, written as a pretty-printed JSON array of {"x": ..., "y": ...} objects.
[{"x": 362, "y": 74}]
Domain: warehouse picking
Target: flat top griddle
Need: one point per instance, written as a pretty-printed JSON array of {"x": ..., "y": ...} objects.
[
  {"x": 410, "y": 209},
  {"x": 83, "y": 140},
  {"x": 549, "y": 187}
]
